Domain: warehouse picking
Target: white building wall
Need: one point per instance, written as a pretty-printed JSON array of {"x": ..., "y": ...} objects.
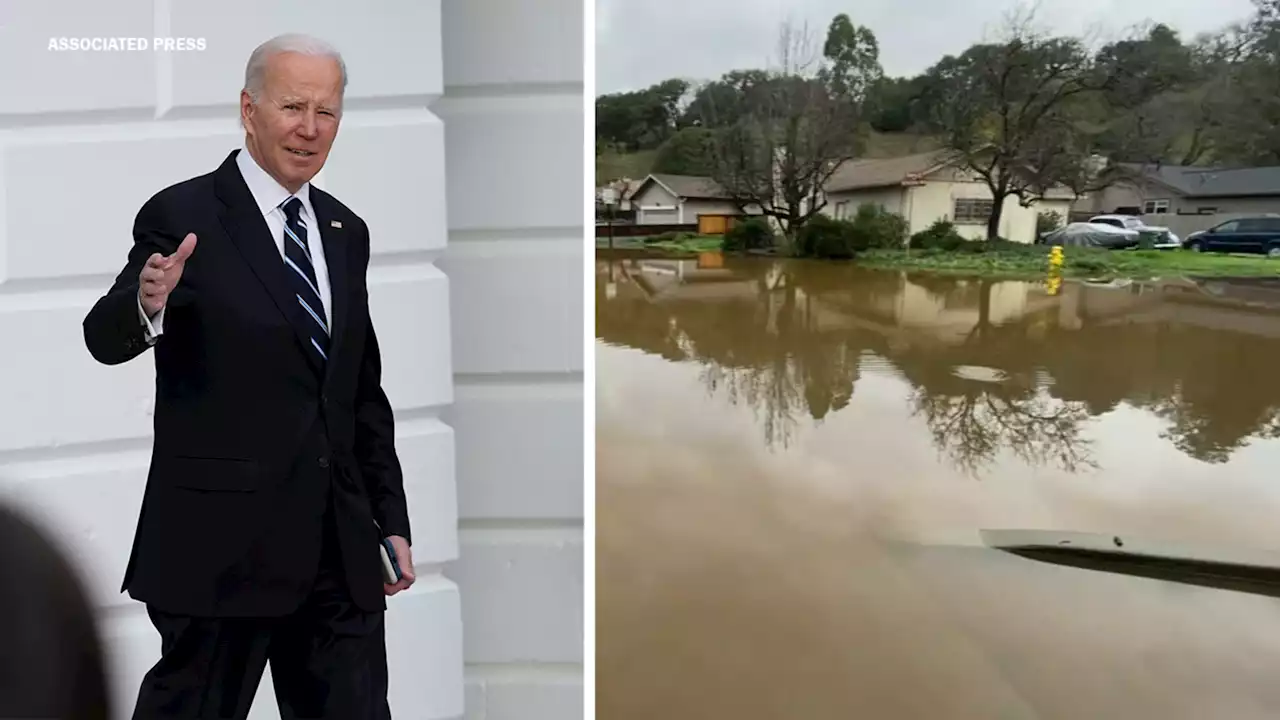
[
  {"x": 85, "y": 139},
  {"x": 697, "y": 207},
  {"x": 925, "y": 204},
  {"x": 655, "y": 206},
  {"x": 844, "y": 205},
  {"x": 513, "y": 112}
]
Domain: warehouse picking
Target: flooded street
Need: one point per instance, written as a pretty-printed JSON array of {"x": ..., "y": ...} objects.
[{"x": 795, "y": 462}]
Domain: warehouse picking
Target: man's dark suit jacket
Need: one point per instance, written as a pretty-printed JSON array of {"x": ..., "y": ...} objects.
[{"x": 253, "y": 440}]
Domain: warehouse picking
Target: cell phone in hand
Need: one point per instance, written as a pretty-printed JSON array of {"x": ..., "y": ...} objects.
[{"x": 390, "y": 563}]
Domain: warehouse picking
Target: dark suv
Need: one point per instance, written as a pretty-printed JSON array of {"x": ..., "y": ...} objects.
[{"x": 1254, "y": 235}]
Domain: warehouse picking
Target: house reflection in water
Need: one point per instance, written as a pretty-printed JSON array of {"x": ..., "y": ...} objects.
[{"x": 793, "y": 337}]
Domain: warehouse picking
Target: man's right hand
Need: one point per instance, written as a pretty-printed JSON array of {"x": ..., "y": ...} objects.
[{"x": 161, "y": 274}]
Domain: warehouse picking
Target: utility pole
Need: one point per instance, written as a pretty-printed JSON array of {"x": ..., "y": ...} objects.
[{"x": 610, "y": 197}]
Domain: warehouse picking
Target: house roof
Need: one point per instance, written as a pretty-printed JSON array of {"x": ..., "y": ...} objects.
[
  {"x": 906, "y": 170},
  {"x": 1207, "y": 182},
  {"x": 885, "y": 172},
  {"x": 686, "y": 186},
  {"x": 626, "y": 187}
]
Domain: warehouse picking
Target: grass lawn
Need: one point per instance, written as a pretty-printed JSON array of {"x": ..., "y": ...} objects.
[
  {"x": 1032, "y": 260},
  {"x": 611, "y": 165},
  {"x": 692, "y": 244},
  {"x": 1015, "y": 260}
]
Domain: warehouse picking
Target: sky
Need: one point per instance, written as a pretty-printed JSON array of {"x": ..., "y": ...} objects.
[{"x": 641, "y": 42}]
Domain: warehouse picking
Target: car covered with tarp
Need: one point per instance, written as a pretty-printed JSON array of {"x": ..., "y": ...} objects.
[{"x": 1099, "y": 235}]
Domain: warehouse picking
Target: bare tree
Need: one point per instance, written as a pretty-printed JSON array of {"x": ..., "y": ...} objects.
[
  {"x": 1248, "y": 131},
  {"x": 1014, "y": 113},
  {"x": 786, "y": 130}
]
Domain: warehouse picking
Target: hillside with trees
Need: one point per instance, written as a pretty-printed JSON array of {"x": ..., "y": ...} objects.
[{"x": 1025, "y": 112}]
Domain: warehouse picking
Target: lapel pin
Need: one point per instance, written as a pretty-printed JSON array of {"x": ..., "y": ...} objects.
[{"x": 335, "y": 223}]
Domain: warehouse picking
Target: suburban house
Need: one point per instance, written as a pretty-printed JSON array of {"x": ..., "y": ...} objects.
[
  {"x": 623, "y": 189},
  {"x": 662, "y": 199},
  {"x": 1187, "y": 198},
  {"x": 926, "y": 187}
]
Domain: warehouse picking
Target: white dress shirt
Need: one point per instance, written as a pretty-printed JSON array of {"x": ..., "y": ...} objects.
[{"x": 269, "y": 195}]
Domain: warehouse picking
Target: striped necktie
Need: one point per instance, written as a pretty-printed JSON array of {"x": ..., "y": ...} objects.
[{"x": 302, "y": 274}]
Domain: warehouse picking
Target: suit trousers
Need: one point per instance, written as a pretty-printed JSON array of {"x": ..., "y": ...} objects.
[{"x": 327, "y": 658}]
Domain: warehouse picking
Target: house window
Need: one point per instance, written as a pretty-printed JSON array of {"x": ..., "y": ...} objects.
[
  {"x": 1155, "y": 207},
  {"x": 842, "y": 209},
  {"x": 972, "y": 211}
]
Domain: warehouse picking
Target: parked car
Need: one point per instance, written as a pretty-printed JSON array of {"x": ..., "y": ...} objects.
[
  {"x": 1259, "y": 235},
  {"x": 1165, "y": 239},
  {"x": 1099, "y": 235}
]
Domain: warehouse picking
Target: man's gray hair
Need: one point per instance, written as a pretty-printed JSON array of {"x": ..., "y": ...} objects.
[{"x": 256, "y": 70}]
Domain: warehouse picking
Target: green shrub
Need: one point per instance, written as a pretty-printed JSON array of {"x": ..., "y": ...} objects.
[
  {"x": 941, "y": 235},
  {"x": 872, "y": 227},
  {"x": 827, "y": 238},
  {"x": 878, "y": 228},
  {"x": 1047, "y": 222},
  {"x": 752, "y": 234}
]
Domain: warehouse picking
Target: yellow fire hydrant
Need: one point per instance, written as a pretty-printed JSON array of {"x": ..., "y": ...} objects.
[
  {"x": 1055, "y": 257},
  {"x": 1053, "y": 282}
]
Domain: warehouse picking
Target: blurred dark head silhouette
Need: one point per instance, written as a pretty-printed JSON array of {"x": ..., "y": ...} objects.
[{"x": 51, "y": 660}]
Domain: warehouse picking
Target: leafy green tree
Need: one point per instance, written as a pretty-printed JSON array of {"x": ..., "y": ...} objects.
[
  {"x": 640, "y": 120},
  {"x": 1249, "y": 121},
  {"x": 896, "y": 104},
  {"x": 1160, "y": 107},
  {"x": 689, "y": 152},
  {"x": 722, "y": 103}
]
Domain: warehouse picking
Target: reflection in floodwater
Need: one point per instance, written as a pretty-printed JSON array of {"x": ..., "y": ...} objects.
[
  {"x": 790, "y": 340},
  {"x": 787, "y": 526}
]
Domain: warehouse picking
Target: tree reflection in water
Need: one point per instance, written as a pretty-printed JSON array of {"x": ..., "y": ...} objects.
[
  {"x": 972, "y": 428},
  {"x": 972, "y": 421},
  {"x": 759, "y": 349},
  {"x": 791, "y": 339}
]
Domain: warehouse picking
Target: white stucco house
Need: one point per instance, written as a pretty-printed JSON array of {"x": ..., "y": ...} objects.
[
  {"x": 925, "y": 187},
  {"x": 479, "y": 305}
]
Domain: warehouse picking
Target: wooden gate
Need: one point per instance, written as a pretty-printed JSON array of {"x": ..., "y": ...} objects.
[{"x": 713, "y": 224}]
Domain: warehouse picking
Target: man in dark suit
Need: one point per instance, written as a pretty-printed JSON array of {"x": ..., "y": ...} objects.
[{"x": 274, "y": 476}]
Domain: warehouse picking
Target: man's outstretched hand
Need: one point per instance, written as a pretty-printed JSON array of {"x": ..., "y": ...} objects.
[
  {"x": 161, "y": 275},
  {"x": 404, "y": 557}
]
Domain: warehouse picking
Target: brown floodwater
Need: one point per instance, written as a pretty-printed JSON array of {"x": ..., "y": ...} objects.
[{"x": 796, "y": 461}]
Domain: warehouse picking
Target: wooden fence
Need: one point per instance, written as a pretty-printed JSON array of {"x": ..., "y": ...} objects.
[{"x": 622, "y": 231}]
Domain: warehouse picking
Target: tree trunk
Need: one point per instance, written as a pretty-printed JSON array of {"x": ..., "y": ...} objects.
[
  {"x": 984, "y": 304},
  {"x": 792, "y": 232},
  {"x": 1196, "y": 149},
  {"x": 993, "y": 222},
  {"x": 979, "y": 331},
  {"x": 998, "y": 194}
]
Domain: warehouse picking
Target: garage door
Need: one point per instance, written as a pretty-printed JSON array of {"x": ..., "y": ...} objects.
[{"x": 650, "y": 216}]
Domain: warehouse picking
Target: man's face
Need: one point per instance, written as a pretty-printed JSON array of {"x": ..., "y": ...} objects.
[{"x": 292, "y": 127}]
